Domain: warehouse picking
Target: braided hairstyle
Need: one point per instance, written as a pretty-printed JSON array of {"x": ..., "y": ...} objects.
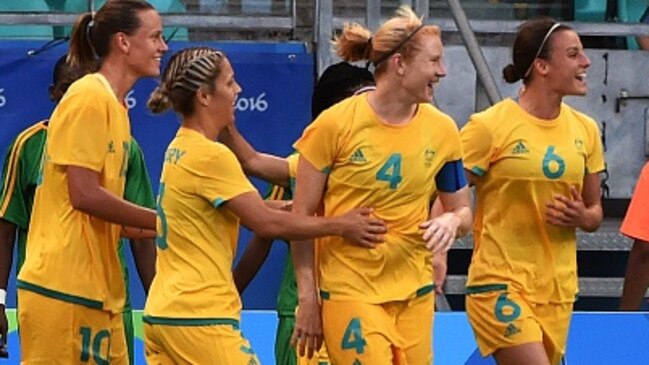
[{"x": 187, "y": 71}]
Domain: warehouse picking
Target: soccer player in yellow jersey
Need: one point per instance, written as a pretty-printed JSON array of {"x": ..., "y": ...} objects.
[
  {"x": 336, "y": 83},
  {"x": 70, "y": 289},
  {"x": 391, "y": 149},
  {"x": 534, "y": 162},
  {"x": 193, "y": 309}
]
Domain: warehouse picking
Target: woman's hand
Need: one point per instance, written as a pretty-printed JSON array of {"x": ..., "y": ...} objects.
[
  {"x": 441, "y": 232},
  {"x": 566, "y": 211},
  {"x": 360, "y": 227}
]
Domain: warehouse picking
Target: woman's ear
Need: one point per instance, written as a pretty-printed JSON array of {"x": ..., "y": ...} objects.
[
  {"x": 398, "y": 64},
  {"x": 541, "y": 66},
  {"x": 121, "y": 42},
  {"x": 203, "y": 97}
]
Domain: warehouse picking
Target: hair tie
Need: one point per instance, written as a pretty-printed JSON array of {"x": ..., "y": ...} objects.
[
  {"x": 538, "y": 52},
  {"x": 91, "y": 23}
]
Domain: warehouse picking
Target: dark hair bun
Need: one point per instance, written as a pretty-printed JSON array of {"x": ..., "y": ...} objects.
[
  {"x": 511, "y": 74},
  {"x": 336, "y": 83}
]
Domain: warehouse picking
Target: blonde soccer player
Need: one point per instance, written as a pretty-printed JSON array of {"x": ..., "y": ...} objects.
[{"x": 391, "y": 149}]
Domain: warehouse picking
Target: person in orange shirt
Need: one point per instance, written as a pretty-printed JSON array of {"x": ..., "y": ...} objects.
[{"x": 636, "y": 226}]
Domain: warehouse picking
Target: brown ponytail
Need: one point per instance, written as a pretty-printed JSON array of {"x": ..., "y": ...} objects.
[
  {"x": 91, "y": 35},
  {"x": 82, "y": 53}
]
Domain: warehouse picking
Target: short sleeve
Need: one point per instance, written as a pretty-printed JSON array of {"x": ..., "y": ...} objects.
[
  {"x": 477, "y": 144},
  {"x": 636, "y": 220},
  {"x": 319, "y": 142},
  {"x": 13, "y": 201},
  {"x": 224, "y": 179},
  {"x": 79, "y": 132},
  {"x": 20, "y": 175},
  {"x": 595, "y": 158}
]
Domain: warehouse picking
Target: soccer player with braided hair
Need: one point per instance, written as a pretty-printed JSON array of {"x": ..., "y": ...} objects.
[{"x": 193, "y": 310}]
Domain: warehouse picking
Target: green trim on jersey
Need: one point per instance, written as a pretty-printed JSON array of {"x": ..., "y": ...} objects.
[
  {"x": 424, "y": 290},
  {"x": 75, "y": 299},
  {"x": 191, "y": 322},
  {"x": 477, "y": 289}
]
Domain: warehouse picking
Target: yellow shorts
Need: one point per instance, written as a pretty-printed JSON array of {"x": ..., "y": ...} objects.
[
  {"x": 380, "y": 334},
  {"x": 53, "y": 331},
  {"x": 503, "y": 319},
  {"x": 321, "y": 357},
  {"x": 186, "y": 344}
]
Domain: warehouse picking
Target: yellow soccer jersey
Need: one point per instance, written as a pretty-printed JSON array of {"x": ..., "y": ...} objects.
[
  {"x": 523, "y": 162},
  {"x": 71, "y": 255},
  {"x": 391, "y": 168},
  {"x": 197, "y": 236}
]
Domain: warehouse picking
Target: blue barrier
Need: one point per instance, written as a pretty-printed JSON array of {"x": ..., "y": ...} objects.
[
  {"x": 595, "y": 339},
  {"x": 272, "y": 111}
]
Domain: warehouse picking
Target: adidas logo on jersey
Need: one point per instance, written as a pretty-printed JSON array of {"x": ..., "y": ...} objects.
[
  {"x": 357, "y": 157},
  {"x": 511, "y": 330},
  {"x": 520, "y": 148}
]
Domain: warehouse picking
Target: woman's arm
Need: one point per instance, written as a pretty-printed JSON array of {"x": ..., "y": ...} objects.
[
  {"x": 307, "y": 333},
  {"x": 144, "y": 256},
  {"x": 357, "y": 225},
  {"x": 261, "y": 165},
  {"x": 251, "y": 261},
  {"x": 88, "y": 196}
]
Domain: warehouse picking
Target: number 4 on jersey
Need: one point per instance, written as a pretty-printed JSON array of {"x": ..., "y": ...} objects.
[
  {"x": 353, "y": 337},
  {"x": 391, "y": 171}
]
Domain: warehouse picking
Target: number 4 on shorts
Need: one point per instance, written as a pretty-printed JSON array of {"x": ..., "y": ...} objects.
[{"x": 353, "y": 337}]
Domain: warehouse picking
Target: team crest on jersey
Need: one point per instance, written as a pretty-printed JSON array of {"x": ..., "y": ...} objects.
[
  {"x": 520, "y": 148},
  {"x": 511, "y": 330},
  {"x": 358, "y": 157},
  {"x": 579, "y": 144},
  {"x": 429, "y": 155}
]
